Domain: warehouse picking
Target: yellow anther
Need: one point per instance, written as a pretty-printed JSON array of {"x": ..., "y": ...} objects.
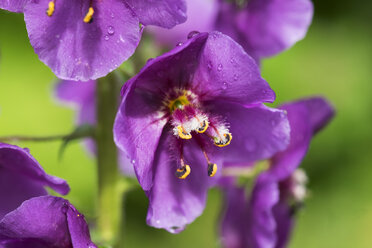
[
  {"x": 222, "y": 143},
  {"x": 204, "y": 127},
  {"x": 51, "y": 7},
  {"x": 183, "y": 172},
  {"x": 212, "y": 169},
  {"x": 89, "y": 15},
  {"x": 182, "y": 134}
]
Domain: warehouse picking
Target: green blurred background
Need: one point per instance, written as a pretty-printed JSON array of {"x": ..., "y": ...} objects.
[{"x": 334, "y": 60}]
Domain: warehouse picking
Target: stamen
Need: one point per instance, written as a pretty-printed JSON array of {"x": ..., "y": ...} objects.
[
  {"x": 182, "y": 133},
  {"x": 223, "y": 142},
  {"x": 51, "y": 8},
  {"x": 88, "y": 17},
  {"x": 203, "y": 126},
  {"x": 212, "y": 169},
  {"x": 183, "y": 172}
]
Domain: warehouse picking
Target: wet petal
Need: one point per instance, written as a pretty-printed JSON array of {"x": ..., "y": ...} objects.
[
  {"x": 164, "y": 13},
  {"x": 174, "y": 202},
  {"x": 77, "y": 50},
  {"x": 47, "y": 220},
  {"x": 137, "y": 131},
  {"x": 227, "y": 73},
  {"x": 21, "y": 177},
  {"x": 195, "y": 21},
  {"x": 258, "y": 132}
]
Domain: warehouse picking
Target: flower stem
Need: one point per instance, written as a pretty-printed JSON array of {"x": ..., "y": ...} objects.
[{"x": 110, "y": 190}]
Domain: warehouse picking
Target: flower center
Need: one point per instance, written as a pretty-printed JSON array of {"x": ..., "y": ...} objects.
[
  {"x": 189, "y": 119},
  {"x": 88, "y": 18}
]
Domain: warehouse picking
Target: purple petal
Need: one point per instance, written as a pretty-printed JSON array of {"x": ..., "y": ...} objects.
[
  {"x": 200, "y": 17},
  {"x": 257, "y": 132},
  {"x": 163, "y": 13},
  {"x": 173, "y": 202},
  {"x": 227, "y": 72},
  {"x": 320, "y": 112},
  {"x": 265, "y": 28},
  {"x": 305, "y": 118},
  {"x": 173, "y": 69},
  {"x": 22, "y": 177},
  {"x": 47, "y": 220},
  {"x": 261, "y": 222},
  {"x": 137, "y": 131},
  {"x": 234, "y": 228},
  {"x": 77, "y": 50},
  {"x": 13, "y": 5},
  {"x": 284, "y": 220}
]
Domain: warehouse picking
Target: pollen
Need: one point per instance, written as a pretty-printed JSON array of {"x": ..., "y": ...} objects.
[
  {"x": 182, "y": 133},
  {"x": 51, "y": 8},
  {"x": 183, "y": 172},
  {"x": 88, "y": 17},
  {"x": 223, "y": 142},
  {"x": 203, "y": 127},
  {"x": 212, "y": 169}
]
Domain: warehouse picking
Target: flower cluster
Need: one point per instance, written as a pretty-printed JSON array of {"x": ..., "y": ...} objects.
[{"x": 191, "y": 119}]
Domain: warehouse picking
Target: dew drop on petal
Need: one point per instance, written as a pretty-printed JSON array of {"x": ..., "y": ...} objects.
[
  {"x": 110, "y": 30},
  {"x": 219, "y": 67},
  {"x": 209, "y": 65},
  {"x": 179, "y": 44},
  {"x": 112, "y": 15},
  {"x": 106, "y": 37},
  {"x": 236, "y": 77},
  {"x": 192, "y": 34},
  {"x": 133, "y": 161},
  {"x": 225, "y": 85}
]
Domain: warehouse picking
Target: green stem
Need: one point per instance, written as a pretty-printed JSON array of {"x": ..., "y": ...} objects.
[{"x": 110, "y": 190}]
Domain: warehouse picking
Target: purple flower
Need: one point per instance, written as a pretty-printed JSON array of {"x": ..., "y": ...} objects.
[
  {"x": 45, "y": 222},
  {"x": 263, "y": 27},
  {"x": 21, "y": 177},
  {"x": 201, "y": 16},
  {"x": 87, "y": 39},
  {"x": 82, "y": 96},
  {"x": 265, "y": 219},
  {"x": 189, "y": 111}
]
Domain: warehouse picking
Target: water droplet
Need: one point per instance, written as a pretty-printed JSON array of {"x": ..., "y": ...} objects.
[
  {"x": 236, "y": 77},
  {"x": 232, "y": 61},
  {"x": 57, "y": 36},
  {"x": 112, "y": 15},
  {"x": 210, "y": 66},
  {"x": 133, "y": 161},
  {"x": 106, "y": 37},
  {"x": 192, "y": 34},
  {"x": 225, "y": 85},
  {"x": 219, "y": 67},
  {"x": 250, "y": 145},
  {"x": 179, "y": 44},
  {"x": 110, "y": 30}
]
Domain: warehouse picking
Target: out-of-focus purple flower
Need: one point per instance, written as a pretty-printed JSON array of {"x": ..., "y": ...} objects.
[
  {"x": 82, "y": 96},
  {"x": 45, "y": 222},
  {"x": 263, "y": 27},
  {"x": 201, "y": 16},
  {"x": 265, "y": 218},
  {"x": 21, "y": 177},
  {"x": 189, "y": 110},
  {"x": 87, "y": 39}
]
